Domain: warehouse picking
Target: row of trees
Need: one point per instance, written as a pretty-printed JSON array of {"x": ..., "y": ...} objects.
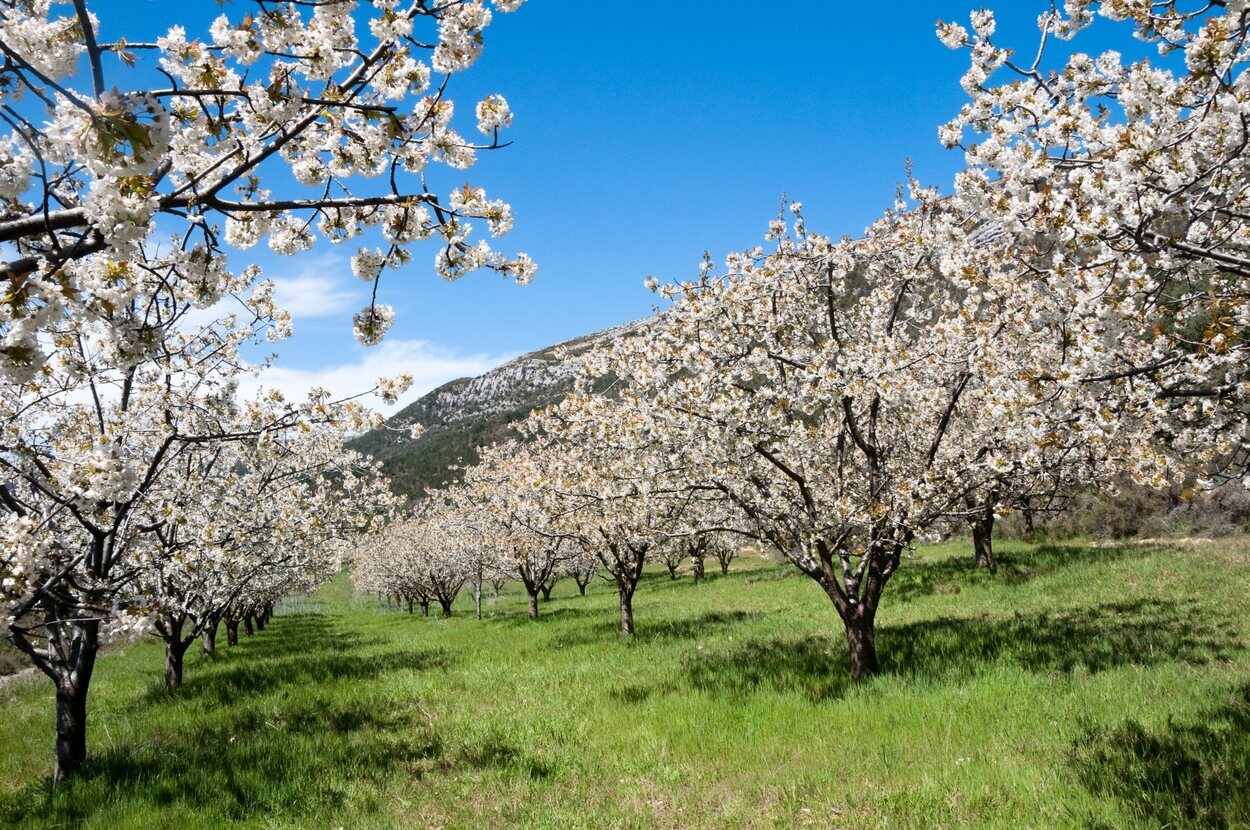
[
  {"x": 508, "y": 522},
  {"x": 1076, "y": 312},
  {"x": 137, "y": 490}
]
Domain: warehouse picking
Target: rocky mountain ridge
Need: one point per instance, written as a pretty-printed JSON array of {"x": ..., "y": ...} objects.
[{"x": 467, "y": 413}]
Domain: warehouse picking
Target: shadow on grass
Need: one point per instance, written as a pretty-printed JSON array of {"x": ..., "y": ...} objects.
[
  {"x": 954, "y": 574},
  {"x": 297, "y": 651},
  {"x": 546, "y": 614},
  {"x": 950, "y": 650},
  {"x": 292, "y": 754},
  {"x": 607, "y": 628},
  {"x": 1192, "y": 775},
  {"x": 265, "y": 730}
]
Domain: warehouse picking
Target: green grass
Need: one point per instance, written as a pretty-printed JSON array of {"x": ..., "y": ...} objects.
[{"x": 1077, "y": 687}]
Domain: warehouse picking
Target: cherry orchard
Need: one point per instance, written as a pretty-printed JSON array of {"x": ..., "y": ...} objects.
[
  {"x": 516, "y": 516},
  {"x": 848, "y": 399},
  {"x": 1125, "y": 188},
  {"x": 353, "y": 107}
]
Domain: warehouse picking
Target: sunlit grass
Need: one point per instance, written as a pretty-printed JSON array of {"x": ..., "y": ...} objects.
[{"x": 1067, "y": 689}]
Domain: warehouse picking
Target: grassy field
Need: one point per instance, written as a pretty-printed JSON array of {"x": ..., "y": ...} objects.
[{"x": 1077, "y": 687}]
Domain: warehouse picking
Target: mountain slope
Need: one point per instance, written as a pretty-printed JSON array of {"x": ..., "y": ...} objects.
[{"x": 468, "y": 413}]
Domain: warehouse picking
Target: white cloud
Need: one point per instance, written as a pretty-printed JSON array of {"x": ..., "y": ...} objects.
[
  {"x": 316, "y": 289},
  {"x": 429, "y": 364}
]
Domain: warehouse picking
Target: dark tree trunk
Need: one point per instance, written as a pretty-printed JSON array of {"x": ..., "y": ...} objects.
[
  {"x": 71, "y": 729},
  {"x": 477, "y": 597},
  {"x": 175, "y": 649},
  {"x": 232, "y": 631},
  {"x": 724, "y": 566},
  {"x": 581, "y": 588},
  {"x": 582, "y": 583},
  {"x": 445, "y": 604},
  {"x": 260, "y": 621},
  {"x": 248, "y": 628},
  {"x": 208, "y": 640},
  {"x": 425, "y": 607},
  {"x": 627, "y": 611},
  {"x": 547, "y": 588},
  {"x": 1030, "y": 526},
  {"x": 861, "y": 637},
  {"x": 697, "y": 562},
  {"x": 983, "y": 536},
  {"x": 409, "y": 605},
  {"x": 533, "y": 595},
  {"x": 71, "y": 701},
  {"x": 672, "y": 570}
]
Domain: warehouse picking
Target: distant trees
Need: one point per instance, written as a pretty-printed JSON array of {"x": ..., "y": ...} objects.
[{"x": 516, "y": 516}]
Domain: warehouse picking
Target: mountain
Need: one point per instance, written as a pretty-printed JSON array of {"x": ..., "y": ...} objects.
[{"x": 468, "y": 413}]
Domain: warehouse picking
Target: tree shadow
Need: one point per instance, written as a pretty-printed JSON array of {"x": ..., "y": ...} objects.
[
  {"x": 954, "y": 649},
  {"x": 1185, "y": 775},
  {"x": 275, "y": 756},
  {"x": 229, "y": 685},
  {"x": 297, "y": 649},
  {"x": 1014, "y": 567},
  {"x": 269, "y": 731},
  {"x": 665, "y": 630},
  {"x": 496, "y": 751},
  {"x": 546, "y": 614}
]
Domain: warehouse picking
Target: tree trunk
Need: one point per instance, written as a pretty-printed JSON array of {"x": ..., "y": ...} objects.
[
  {"x": 861, "y": 637},
  {"x": 232, "y": 631},
  {"x": 627, "y": 612},
  {"x": 445, "y": 604},
  {"x": 533, "y": 595},
  {"x": 208, "y": 640},
  {"x": 547, "y": 588},
  {"x": 672, "y": 570},
  {"x": 175, "y": 650},
  {"x": 72, "y": 685},
  {"x": 581, "y": 588},
  {"x": 425, "y": 607},
  {"x": 71, "y": 727},
  {"x": 983, "y": 538},
  {"x": 248, "y": 628},
  {"x": 477, "y": 597},
  {"x": 260, "y": 621},
  {"x": 409, "y": 605},
  {"x": 697, "y": 562}
]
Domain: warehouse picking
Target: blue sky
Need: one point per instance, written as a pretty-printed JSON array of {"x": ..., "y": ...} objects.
[{"x": 644, "y": 134}]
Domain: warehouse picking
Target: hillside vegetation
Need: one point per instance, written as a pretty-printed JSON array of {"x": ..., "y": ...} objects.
[
  {"x": 1079, "y": 686},
  {"x": 469, "y": 413}
]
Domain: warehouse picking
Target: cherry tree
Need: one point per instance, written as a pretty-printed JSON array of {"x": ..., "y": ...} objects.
[
  {"x": 671, "y": 556},
  {"x": 353, "y": 107},
  {"x": 619, "y": 498},
  {"x": 286, "y": 506},
  {"x": 847, "y": 398},
  {"x": 425, "y": 557},
  {"x": 1121, "y": 186},
  {"x": 517, "y": 513}
]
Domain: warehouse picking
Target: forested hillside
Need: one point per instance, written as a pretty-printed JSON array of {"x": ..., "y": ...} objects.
[{"x": 468, "y": 413}]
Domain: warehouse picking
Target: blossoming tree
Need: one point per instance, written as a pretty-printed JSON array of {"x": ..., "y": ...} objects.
[
  {"x": 849, "y": 397},
  {"x": 1121, "y": 186},
  {"x": 355, "y": 109}
]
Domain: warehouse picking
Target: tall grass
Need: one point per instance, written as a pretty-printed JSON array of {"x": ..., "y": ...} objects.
[{"x": 1077, "y": 687}]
